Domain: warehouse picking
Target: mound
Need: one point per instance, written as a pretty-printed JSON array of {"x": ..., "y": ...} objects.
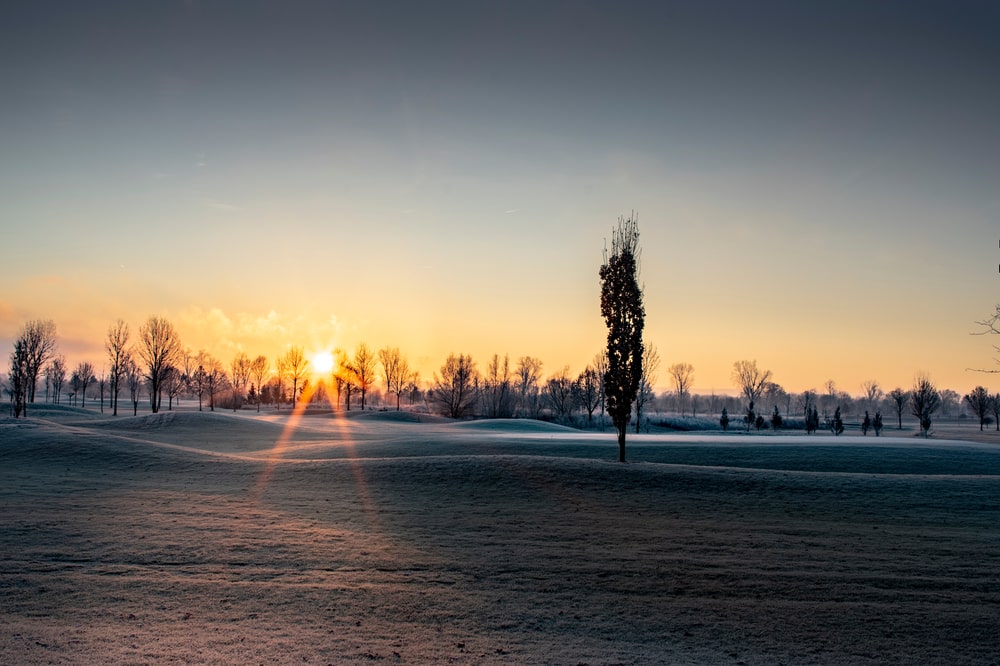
[{"x": 514, "y": 426}]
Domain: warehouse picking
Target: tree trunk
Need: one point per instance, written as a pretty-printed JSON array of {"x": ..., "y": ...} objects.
[{"x": 621, "y": 445}]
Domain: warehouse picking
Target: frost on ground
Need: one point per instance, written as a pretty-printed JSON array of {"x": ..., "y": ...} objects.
[{"x": 210, "y": 538}]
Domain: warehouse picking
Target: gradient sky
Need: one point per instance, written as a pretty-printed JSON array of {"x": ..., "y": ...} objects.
[{"x": 817, "y": 184}]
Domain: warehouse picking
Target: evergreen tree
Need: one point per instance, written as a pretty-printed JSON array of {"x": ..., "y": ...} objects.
[
  {"x": 877, "y": 423},
  {"x": 724, "y": 421},
  {"x": 866, "y": 424},
  {"x": 624, "y": 315},
  {"x": 838, "y": 423},
  {"x": 776, "y": 419}
]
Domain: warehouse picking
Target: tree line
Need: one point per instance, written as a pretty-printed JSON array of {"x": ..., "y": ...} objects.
[{"x": 152, "y": 365}]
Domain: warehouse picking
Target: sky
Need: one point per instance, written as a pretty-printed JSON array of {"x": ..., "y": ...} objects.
[{"x": 816, "y": 184}]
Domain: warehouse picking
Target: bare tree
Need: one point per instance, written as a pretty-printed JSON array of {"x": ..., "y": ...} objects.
[
  {"x": 601, "y": 366},
  {"x": 528, "y": 374},
  {"x": 645, "y": 394},
  {"x": 239, "y": 373},
  {"x": 346, "y": 379},
  {"x": 116, "y": 345},
  {"x": 173, "y": 385},
  {"x": 979, "y": 402},
  {"x": 159, "y": 347},
  {"x": 18, "y": 377},
  {"x": 215, "y": 379},
  {"x": 280, "y": 375},
  {"x": 102, "y": 383},
  {"x": 454, "y": 390},
  {"x": 589, "y": 386},
  {"x": 560, "y": 396},
  {"x": 296, "y": 363},
  {"x": 82, "y": 376},
  {"x": 899, "y": 398},
  {"x": 873, "y": 393},
  {"x": 133, "y": 377},
  {"x": 396, "y": 370},
  {"x": 750, "y": 379},
  {"x": 259, "y": 369},
  {"x": 624, "y": 316},
  {"x": 683, "y": 376},
  {"x": 924, "y": 401},
  {"x": 995, "y": 408},
  {"x": 364, "y": 365},
  {"x": 57, "y": 376},
  {"x": 498, "y": 390},
  {"x": 38, "y": 342},
  {"x": 990, "y": 325}
]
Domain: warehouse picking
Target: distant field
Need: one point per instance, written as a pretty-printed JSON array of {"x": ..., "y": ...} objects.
[{"x": 189, "y": 537}]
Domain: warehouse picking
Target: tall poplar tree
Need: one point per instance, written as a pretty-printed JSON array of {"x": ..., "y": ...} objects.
[{"x": 624, "y": 315}]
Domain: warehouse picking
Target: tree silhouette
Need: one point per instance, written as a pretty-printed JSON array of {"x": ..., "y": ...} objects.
[
  {"x": 624, "y": 315},
  {"x": 159, "y": 347},
  {"x": 527, "y": 375},
  {"x": 589, "y": 385},
  {"x": 979, "y": 402},
  {"x": 396, "y": 370},
  {"x": 240, "y": 372},
  {"x": 82, "y": 376},
  {"x": 899, "y": 398},
  {"x": 650, "y": 364},
  {"x": 38, "y": 346},
  {"x": 924, "y": 401},
  {"x": 724, "y": 421},
  {"x": 364, "y": 364},
  {"x": 838, "y": 422},
  {"x": 454, "y": 390},
  {"x": 683, "y": 376},
  {"x": 750, "y": 379},
  {"x": 877, "y": 423},
  {"x": 116, "y": 346},
  {"x": 296, "y": 364},
  {"x": 259, "y": 369}
]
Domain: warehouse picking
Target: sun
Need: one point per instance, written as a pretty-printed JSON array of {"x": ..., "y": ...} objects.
[{"x": 322, "y": 363}]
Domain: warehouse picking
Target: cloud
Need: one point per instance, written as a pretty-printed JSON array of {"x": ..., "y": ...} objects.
[{"x": 221, "y": 205}]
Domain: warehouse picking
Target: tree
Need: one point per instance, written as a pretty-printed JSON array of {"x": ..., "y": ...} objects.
[
  {"x": 601, "y": 366},
  {"x": 838, "y": 423},
  {"x": 724, "y": 421},
  {"x": 995, "y": 408},
  {"x": 116, "y": 345},
  {"x": 750, "y": 417},
  {"x": 527, "y": 375},
  {"x": 877, "y": 423},
  {"x": 873, "y": 393},
  {"x": 18, "y": 377},
  {"x": 296, "y": 363},
  {"x": 866, "y": 424},
  {"x": 650, "y": 364},
  {"x": 215, "y": 380},
  {"x": 38, "y": 347},
  {"x": 812, "y": 420},
  {"x": 624, "y": 316},
  {"x": 239, "y": 372},
  {"x": 924, "y": 401},
  {"x": 454, "y": 390},
  {"x": 259, "y": 369},
  {"x": 133, "y": 377},
  {"x": 750, "y": 379},
  {"x": 102, "y": 383},
  {"x": 497, "y": 392},
  {"x": 396, "y": 370},
  {"x": 898, "y": 398},
  {"x": 990, "y": 325},
  {"x": 82, "y": 376},
  {"x": 280, "y": 374},
  {"x": 159, "y": 347},
  {"x": 589, "y": 386},
  {"x": 683, "y": 376},
  {"x": 57, "y": 376},
  {"x": 364, "y": 370},
  {"x": 978, "y": 401},
  {"x": 560, "y": 396},
  {"x": 174, "y": 385},
  {"x": 776, "y": 419}
]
